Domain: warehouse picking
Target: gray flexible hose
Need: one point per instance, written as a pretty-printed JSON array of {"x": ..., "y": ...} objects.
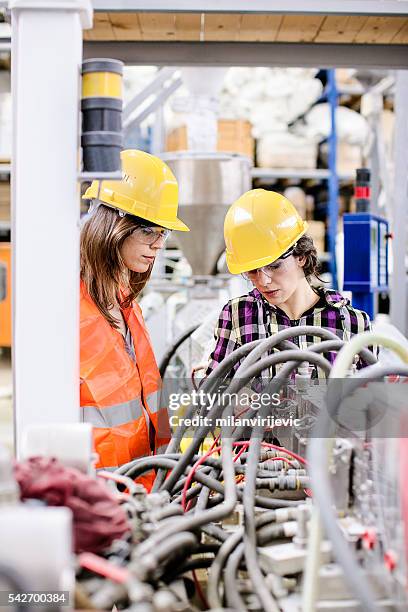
[
  {"x": 202, "y": 431},
  {"x": 267, "y": 601},
  {"x": 226, "y": 549},
  {"x": 260, "y": 346},
  {"x": 265, "y": 535},
  {"x": 215, "y": 378},
  {"x": 214, "y": 575},
  {"x": 378, "y": 372},
  {"x": 173, "y": 544},
  {"x": 318, "y": 348},
  {"x": 200, "y": 475},
  {"x": 285, "y": 334},
  {"x": 187, "y": 523},
  {"x": 307, "y": 356},
  {"x": 336, "y": 345},
  {"x": 205, "y": 492},
  {"x": 237, "y": 384},
  {"x": 215, "y": 532},
  {"x": 232, "y": 593}
]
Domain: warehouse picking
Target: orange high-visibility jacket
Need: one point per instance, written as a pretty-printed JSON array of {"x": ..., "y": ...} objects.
[{"x": 118, "y": 396}]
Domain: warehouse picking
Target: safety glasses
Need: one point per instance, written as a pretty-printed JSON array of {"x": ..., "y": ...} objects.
[
  {"x": 270, "y": 269},
  {"x": 150, "y": 235}
]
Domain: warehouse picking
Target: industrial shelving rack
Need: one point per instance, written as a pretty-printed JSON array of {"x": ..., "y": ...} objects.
[{"x": 330, "y": 175}]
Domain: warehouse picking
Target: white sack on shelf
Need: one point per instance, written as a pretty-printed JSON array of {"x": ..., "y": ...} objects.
[
  {"x": 351, "y": 126},
  {"x": 285, "y": 150}
]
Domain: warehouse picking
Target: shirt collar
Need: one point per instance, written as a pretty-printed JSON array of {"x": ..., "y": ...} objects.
[{"x": 332, "y": 298}]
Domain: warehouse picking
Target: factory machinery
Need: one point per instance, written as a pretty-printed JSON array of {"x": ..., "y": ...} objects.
[
  {"x": 278, "y": 491},
  {"x": 300, "y": 504}
]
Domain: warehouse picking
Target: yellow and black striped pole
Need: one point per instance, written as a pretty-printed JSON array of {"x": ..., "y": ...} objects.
[{"x": 101, "y": 107}]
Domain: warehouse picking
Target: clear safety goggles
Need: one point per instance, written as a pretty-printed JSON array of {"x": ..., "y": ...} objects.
[
  {"x": 270, "y": 268},
  {"x": 144, "y": 233},
  {"x": 150, "y": 235}
]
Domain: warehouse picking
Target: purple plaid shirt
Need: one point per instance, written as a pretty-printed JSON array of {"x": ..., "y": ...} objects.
[{"x": 251, "y": 317}]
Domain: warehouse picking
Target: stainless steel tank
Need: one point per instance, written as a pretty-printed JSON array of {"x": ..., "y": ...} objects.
[{"x": 208, "y": 184}]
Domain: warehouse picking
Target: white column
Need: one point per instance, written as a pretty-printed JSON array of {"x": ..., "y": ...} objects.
[
  {"x": 46, "y": 60},
  {"x": 398, "y": 294}
]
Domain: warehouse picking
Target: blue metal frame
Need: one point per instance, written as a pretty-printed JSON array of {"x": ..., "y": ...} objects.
[{"x": 333, "y": 181}]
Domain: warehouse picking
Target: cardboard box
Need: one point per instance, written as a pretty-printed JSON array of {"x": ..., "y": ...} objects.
[
  {"x": 4, "y": 201},
  {"x": 234, "y": 136},
  {"x": 317, "y": 231},
  {"x": 349, "y": 157},
  {"x": 297, "y": 196},
  {"x": 278, "y": 153}
]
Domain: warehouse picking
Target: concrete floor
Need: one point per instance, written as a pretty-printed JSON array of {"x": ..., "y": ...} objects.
[{"x": 6, "y": 406}]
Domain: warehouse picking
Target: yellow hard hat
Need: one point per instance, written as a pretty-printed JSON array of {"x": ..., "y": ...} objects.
[
  {"x": 148, "y": 189},
  {"x": 260, "y": 227}
]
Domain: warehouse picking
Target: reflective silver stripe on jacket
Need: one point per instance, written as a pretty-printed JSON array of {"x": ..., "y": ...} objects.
[
  {"x": 112, "y": 416},
  {"x": 153, "y": 400},
  {"x": 107, "y": 469}
]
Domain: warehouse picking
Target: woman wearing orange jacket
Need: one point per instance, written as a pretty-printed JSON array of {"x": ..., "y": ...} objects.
[{"x": 128, "y": 223}]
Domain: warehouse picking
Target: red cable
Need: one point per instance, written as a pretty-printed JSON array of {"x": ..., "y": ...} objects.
[
  {"x": 308, "y": 492},
  {"x": 193, "y": 471},
  {"x": 245, "y": 445},
  {"x": 285, "y": 450},
  {"x": 200, "y": 590},
  {"x": 281, "y": 459},
  {"x": 240, "y": 452},
  {"x": 214, "y": 444},
  {"x": 118, "y": 478},
  {"x": 100, "y": 566}
]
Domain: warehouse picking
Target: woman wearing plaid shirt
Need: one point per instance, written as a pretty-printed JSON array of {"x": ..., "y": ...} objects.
[{"x": 266, "y": 242}]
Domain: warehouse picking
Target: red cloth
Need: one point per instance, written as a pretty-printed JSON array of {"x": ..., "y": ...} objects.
[{"x": 98, "y": 518}]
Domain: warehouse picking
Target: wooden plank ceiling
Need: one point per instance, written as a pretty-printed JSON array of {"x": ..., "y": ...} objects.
[{"x": 235, "y": 27}]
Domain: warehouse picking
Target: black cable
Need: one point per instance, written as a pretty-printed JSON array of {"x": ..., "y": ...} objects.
[
  {"x": 145, "y": 466},
  {"x": 176, "y": 543},
  {"x": 187, "y": 566},
  {"x": 267, "y": 503},
  {"x": 173, "y": 348}
]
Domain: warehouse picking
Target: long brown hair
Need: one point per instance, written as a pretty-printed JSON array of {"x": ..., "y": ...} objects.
[{"x": 102, "y": 268}]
